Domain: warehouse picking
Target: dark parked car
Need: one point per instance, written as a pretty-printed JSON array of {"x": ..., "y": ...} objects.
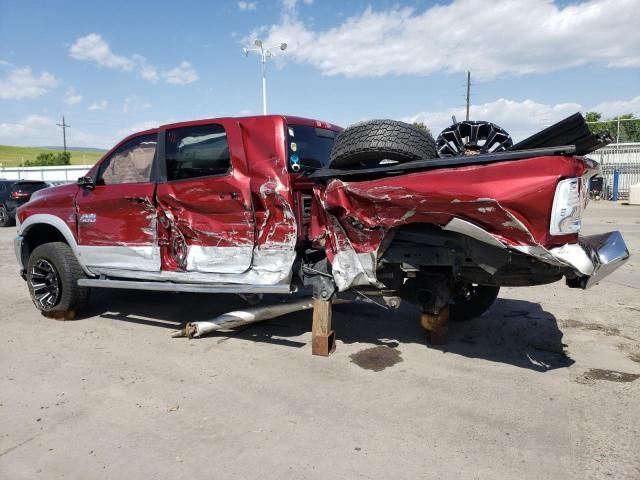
[{"x": 14, "y": 193}]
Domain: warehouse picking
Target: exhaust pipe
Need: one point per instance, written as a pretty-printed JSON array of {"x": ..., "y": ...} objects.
[{"x": 242, "y": 317}]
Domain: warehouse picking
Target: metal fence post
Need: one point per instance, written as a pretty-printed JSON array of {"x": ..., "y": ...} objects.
[{"x": 616, "y": 177}]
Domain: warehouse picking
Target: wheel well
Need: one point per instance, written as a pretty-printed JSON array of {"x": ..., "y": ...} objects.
[{"x": 37, "y": 235}]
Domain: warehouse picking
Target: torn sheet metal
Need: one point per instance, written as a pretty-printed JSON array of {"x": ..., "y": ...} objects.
[
  {"x": 508, "y": 202},
  {"x": 234, "y": 228}
]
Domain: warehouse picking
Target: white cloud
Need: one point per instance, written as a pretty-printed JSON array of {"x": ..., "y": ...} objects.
[
  {"x": 618, "y": 107},
  {"x": 520, "y": 119},
  {"x": 38, "y": 130},
  {"x": 101, "y": 105},
  {"x": 94, "y": 48},
  {"x": 247, "y": 6},
  {"x": 71, "y": 97},
  {"x": 491, "y": 39},
  {"x": 22, "y": 83},
  {"x": 134, "y": 103},
  {"x": 290, "y": 5},
  {"x": 183, "y": 74}
]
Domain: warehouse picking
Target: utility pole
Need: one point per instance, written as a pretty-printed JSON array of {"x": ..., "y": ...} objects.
[
  {"x": 64, "y": 132},
  {"x": 468, "y": 93}
]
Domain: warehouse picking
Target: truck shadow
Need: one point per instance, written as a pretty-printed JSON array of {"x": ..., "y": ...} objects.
[{"x": 515, "y": 332}]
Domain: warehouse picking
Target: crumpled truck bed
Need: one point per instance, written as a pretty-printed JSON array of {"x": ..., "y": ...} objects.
[{"x": 509, "y": 200}]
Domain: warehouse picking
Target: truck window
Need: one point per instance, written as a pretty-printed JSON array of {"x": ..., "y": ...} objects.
[
  {"x": 309, "y": 146},
  {"x": 130, "y": 163},
  {"x": 197, "y": 151}
]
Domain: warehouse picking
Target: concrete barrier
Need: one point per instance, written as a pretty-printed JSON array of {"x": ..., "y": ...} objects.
[
  {"x": 634, "y": 194},
  {"x": 56, "y": 174}
]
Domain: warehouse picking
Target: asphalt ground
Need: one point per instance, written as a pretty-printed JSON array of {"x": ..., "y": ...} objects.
[{"x": 543, "y": 386}]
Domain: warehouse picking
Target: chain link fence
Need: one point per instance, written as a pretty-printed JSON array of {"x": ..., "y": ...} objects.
[{"x": 620, "y": 168}]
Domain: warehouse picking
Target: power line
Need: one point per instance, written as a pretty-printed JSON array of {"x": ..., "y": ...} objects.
[{"x": 64, "y": 132}]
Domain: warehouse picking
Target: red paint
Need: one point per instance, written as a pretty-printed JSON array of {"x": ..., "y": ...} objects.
[
  {"x": 259, "y": 203},
  {"x": 490, "y": 196}
]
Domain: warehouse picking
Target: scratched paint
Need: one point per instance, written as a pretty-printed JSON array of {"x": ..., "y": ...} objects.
[{"x": 510, "y": 200}]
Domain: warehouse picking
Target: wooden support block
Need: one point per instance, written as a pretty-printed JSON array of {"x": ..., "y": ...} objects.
[
  {"x": 322, "y": 337},
  {"x": 437, "y": 325},
  {"x": 61, "y": 315}
]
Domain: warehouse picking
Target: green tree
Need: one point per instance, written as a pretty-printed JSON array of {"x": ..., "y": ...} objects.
[
  {"x": 50, "y": 159},
  {"x": 422, "y": 126},
  {"x": 593, "y": 116},
  {"x": 629, "y": 126}
]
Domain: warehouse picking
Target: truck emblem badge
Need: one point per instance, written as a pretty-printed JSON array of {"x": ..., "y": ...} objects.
[
  {"x": 294, "y": 160},
  {"x": 88, "y": 218}
]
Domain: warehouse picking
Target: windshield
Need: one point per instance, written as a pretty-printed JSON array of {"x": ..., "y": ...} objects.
[{"x": 309, "y": 146}]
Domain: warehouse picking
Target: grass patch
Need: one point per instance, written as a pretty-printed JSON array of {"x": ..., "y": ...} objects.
[{"x": 13, "y": 156}]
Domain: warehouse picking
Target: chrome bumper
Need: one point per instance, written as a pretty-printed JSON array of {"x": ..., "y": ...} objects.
[{"x": 593, "y": 258}]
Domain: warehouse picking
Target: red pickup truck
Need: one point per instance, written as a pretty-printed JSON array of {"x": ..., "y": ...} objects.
[{"x": 273, "y": 204}]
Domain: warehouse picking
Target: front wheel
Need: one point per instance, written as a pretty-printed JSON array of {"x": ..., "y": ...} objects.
[
  {"x": 470, "y": 301},
  {"x": 52, "y": 277}
]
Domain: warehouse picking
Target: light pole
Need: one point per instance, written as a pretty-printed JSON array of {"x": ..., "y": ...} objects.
[{"x": 264, "y": 54}]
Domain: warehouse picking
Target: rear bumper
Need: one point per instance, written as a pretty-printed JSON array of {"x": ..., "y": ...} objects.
[{"x": 593, "y": 258}]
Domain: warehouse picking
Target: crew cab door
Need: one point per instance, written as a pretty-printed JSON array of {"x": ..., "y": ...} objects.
[
  {"x": 116, "y": 220},
  {"x": 206, "y": 222}
]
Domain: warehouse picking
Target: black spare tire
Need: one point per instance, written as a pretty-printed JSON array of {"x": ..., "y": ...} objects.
[{"x": 366, "y": 144}]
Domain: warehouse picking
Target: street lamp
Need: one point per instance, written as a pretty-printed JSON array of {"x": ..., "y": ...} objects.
[{"x": 264, "y": 54}]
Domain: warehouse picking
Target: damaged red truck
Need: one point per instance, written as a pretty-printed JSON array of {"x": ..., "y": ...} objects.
[{"x": 278, "y": 204}]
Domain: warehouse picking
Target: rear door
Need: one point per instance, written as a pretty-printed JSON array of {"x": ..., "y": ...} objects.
[
  {"x": 206, "y": 222},
  {"x": 117, "y": 219}
]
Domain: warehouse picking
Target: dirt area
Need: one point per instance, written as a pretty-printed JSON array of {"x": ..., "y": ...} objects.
[{"x": 544, "y": 386}]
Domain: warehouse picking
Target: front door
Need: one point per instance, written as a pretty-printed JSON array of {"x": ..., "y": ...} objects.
[
  {"x": 206, "y": 222},
  {"x": 117, "y": 219}
]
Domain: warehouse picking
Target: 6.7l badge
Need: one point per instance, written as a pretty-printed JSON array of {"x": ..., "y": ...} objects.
[{"x": 87, "y": 218}]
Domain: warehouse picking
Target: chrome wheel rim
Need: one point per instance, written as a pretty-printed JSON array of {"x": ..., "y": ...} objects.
[
  {"x": 3, "y": 214},
  {"x": 44, "y": 284}
]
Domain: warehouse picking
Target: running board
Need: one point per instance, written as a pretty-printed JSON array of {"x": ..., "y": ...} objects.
[{"x": 184, "y": 287}]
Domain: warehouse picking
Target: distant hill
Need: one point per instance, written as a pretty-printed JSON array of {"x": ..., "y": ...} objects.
[
  {"x": 79, "y": 149},
  {"x": 14, "y": 156}
]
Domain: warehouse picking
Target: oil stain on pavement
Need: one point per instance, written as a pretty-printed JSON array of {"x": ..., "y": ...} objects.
[
  {"x": 608, "y": 375},
  {"x": 376, "y": 358}
]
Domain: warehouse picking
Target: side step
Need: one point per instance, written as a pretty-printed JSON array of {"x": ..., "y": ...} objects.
[{"x": 184, "y": 287}]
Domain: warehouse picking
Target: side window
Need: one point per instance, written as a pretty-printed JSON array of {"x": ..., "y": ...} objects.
[
  {"x": 131, "y": 163},
  {"x": 198, "y": 151}
]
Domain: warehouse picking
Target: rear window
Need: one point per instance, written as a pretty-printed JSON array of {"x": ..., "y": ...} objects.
[
  {"x": 29, "y": 186},
  {"x": 309, "y": 146}
]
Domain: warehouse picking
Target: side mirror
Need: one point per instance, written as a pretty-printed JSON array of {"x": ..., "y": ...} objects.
[{"x": 86, "y": 183}]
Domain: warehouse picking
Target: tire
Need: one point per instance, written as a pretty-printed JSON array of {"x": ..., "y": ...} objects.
[
  {"x": 52, "y": 278},
  {"x": 365, "y": 144},
  {"x": 471, "y": 301},
  {"x": 6, "y": 220}
]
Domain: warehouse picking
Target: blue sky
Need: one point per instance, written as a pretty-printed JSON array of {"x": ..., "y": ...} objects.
[{"x": 115, "y": 67}]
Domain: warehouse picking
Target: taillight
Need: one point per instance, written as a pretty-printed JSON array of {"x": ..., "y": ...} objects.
[
  {"x": 568, "y": 203},
  {"x": 18, "y": 195}
]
